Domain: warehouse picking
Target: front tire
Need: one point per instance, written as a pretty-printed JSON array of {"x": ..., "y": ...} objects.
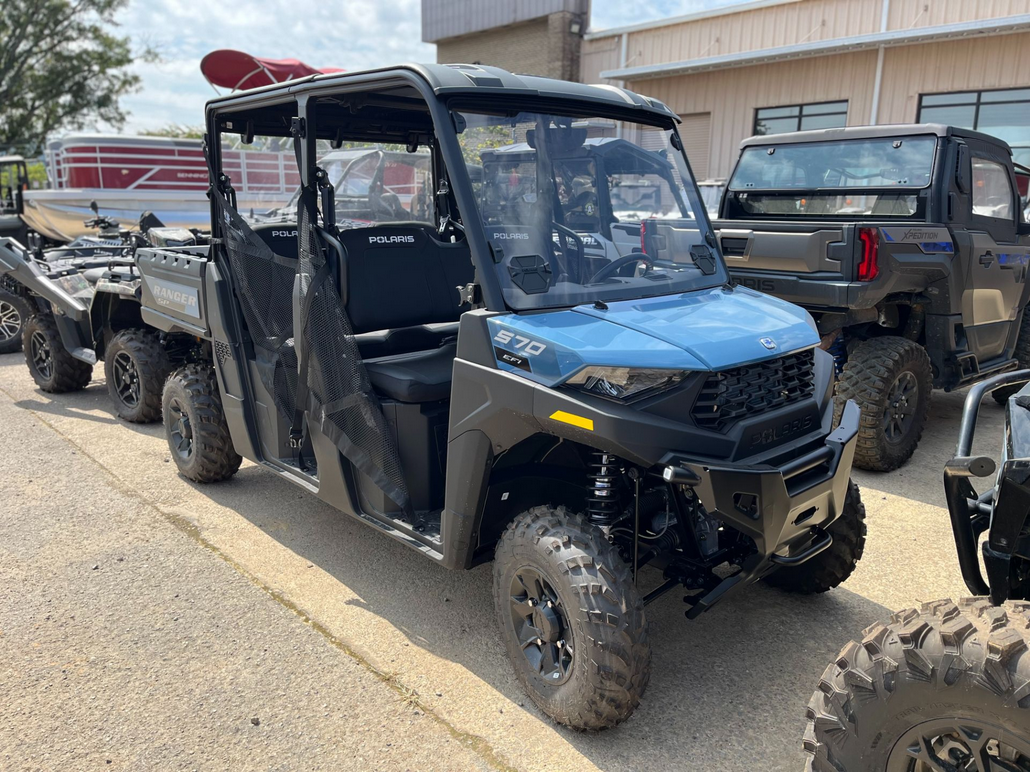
[
  {"x": 52, "y": 367},
  {"x": 945, "y": 686},
  {"x": 136, "y": 366},
  {"x": 890, "y": 378},
  {"x": 13, "y": 314},
  {"x": 833, "y": 566},
  {"x": 198, "y": 436},
  {"x": 571, "y": 619}
]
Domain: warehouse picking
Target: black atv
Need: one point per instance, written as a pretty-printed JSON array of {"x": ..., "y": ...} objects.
[{"x": 947, "y": 686}]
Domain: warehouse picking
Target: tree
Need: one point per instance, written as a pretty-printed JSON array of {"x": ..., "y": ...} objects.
[
  {"x": 176, "y": 131},
  {"x": 61, "y": 67}
]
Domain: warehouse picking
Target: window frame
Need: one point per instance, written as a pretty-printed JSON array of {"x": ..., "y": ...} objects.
[
  {"x": 975, "y": 104},
  {"x": 801, "y": 114}
]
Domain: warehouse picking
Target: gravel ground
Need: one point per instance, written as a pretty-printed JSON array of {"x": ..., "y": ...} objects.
[{"x": 145, "y": 621}]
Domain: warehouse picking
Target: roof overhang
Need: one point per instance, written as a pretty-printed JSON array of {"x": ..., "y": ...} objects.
[{"x": 981, "y": 27}]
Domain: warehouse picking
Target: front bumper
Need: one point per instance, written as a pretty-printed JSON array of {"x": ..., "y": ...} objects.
[{"x": 784, "y": 509}]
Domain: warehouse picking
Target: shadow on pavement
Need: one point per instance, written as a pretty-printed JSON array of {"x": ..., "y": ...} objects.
[{"x": 738, "y": 677}]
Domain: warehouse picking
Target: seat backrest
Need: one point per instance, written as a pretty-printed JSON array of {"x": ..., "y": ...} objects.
[
  {"x": 281, "y": 237},
  {"x": 400, "y": 275}
]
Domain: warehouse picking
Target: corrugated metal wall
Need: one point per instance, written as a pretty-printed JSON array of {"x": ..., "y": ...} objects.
[
  {"x": 731, "y": 96},
  {"x": 958, "y": 65},
  {"x": 803, "y": 21}
]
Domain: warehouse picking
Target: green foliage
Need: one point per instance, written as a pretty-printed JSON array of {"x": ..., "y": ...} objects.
[
  {"x": 37, "y": 174},
  {"x": 61, "y": 68},
  {"x": 474, "y": 141},
  {"x": 176, "y": 131}
]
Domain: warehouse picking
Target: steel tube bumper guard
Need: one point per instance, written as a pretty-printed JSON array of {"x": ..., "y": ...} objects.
[
  {"x": 785, "y": 509},
  {"x": 1004, "y": 510}
]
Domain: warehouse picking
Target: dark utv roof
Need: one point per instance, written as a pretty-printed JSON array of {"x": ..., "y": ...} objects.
[
  {"x": 472, "y": 80},
  {"x": 870, "y": 132}
]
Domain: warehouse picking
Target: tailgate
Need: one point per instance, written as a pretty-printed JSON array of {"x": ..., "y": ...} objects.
[
  {"x": 173, "y": 289},
  {"x": 790, "y": 248}
]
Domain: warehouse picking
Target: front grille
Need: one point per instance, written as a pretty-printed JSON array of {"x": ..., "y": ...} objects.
[{"x": 728, "y": 396}]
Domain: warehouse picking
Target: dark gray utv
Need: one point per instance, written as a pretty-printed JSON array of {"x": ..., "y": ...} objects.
[
  {"x": 908, "y": 246},
  {"x": 80, "y": 303},
  {"x": 460, "y": 372}
]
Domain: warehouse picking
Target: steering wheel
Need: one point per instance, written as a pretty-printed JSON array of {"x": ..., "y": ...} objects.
[
  {"x": 580, "y": 248},
  {"x": 618, "y": 264}
]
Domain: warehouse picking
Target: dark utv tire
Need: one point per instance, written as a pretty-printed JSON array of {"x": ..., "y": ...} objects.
[
  {"x": 136, "y": 366},
  {"x": 890, "y": 378},
  {"x": 52, "y": 367},
  {"x": 948, "y": 681},
  {"x": 14, "y": 312},
  {"x": 198, "y": 436},
  {"x": 834, "y": 565},
  {"x": 571, "y": 619},
  {"x": 1022, "y": 354}
]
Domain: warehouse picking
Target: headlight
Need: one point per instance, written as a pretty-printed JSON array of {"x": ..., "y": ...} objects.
[{"x": 624, "y": 383}]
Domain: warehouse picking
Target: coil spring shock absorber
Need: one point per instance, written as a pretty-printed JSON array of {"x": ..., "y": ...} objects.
[{"x": 602, "y": 497}]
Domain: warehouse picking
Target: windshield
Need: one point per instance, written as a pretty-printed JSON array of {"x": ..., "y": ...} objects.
[
  {"x": 859, "y": 177},
  {"x": 582, "y": 209}
]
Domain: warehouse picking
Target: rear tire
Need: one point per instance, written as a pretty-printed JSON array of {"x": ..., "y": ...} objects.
[
  {"x": 14, "y": 312},
  {"x": 943, "y": 680},
  {"x": 52, "y": 367},
  {"x": 136, "y": 366},
  {"x": 890, "y": 378},
  {"x": 833, "y": 566},
  {"x": 198, "y": 436},
  {"x": 581, "y": 652},
  {"x": 1022, "y": 355}
]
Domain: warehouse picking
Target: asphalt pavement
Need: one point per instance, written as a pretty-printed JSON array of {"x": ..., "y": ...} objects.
[{"x": 150, "y": 623}]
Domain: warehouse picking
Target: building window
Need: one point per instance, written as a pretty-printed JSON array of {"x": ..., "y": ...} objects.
[
  {"x": 822, "y": 115},
  {"x": 1004, "y": 114}
]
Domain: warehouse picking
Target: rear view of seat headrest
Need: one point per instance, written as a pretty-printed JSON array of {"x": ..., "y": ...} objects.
[
  {"x": 281, "y": 238},
  {"x": 400, "y": 275}
]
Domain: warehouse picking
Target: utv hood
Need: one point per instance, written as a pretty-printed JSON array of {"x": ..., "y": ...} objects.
[{"x": 713, "y": 329}]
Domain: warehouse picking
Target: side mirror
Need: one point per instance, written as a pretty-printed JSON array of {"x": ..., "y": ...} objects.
[{"x": 1023, "y": 229}]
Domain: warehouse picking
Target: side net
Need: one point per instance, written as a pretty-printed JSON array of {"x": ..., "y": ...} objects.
[{"x": 335, "y": 391}]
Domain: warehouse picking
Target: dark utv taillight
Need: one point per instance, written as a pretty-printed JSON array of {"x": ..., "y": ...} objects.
[{"x": 869, "y": 266}]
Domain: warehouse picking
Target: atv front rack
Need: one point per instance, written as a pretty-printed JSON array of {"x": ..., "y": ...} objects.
[{"x": 1004, "y": 510}]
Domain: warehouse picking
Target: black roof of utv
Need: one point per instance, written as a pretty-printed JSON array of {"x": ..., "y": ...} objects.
[
  {"x": 468, "y": 80},
  {"x": 870, "y": 132}
]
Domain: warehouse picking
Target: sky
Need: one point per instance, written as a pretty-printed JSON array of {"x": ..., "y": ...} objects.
[{"x": 352, "y": 34}]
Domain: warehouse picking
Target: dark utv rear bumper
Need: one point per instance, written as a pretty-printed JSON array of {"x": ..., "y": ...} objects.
[{"x": 784, "y": 509}]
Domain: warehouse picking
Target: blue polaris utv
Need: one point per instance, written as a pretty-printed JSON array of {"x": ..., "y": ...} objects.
[{"x": 477, "y": 382}]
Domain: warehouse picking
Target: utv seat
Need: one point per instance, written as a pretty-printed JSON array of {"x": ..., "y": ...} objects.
[
  {"x": 281, "y": 237},
  {"x": 400, "y": 286}
]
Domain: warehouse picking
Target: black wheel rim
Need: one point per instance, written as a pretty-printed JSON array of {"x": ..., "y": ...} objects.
[
  {"x": 957, "y": 745},
  {"x": 10, "y": 321},
  {"x": 902, "y": 402},
  {"x": 180, "y": 430},
  {"x": 126, "y": 379},
  {"x": 541, "y": 626},
  {"x": 42, "y": 358}
]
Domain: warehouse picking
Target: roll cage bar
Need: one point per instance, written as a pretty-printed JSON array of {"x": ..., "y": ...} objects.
[{"x": 422, "y": 119}]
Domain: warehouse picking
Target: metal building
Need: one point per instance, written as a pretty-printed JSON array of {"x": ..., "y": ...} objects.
[
  {"x": 535, "y": 37},
  {"x": 780, "y": 65}
]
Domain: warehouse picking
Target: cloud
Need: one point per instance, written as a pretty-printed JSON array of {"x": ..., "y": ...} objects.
[{"x": 352, "y": 34}]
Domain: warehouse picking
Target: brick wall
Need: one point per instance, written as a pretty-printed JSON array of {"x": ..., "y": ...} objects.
[{"x": 543, "y": 46}]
